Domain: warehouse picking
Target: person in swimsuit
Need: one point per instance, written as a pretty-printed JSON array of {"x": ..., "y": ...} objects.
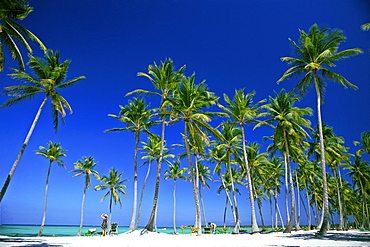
[
  {"x": 104, "y": 224},
  {"x": 213, "y": 226}
]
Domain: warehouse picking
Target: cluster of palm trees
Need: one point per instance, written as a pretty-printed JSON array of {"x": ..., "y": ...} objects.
[{"x": 297, "y": 157}]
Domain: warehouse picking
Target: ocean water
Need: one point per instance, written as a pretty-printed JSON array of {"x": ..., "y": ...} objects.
[{"x": 59, "y": 231}]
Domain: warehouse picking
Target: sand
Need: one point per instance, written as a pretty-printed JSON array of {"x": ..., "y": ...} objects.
[{"x": 151, "y": 239}]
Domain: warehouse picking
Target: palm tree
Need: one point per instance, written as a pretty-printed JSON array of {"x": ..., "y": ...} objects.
[
  {"x": 316, "y": 49},
  {"x": 152, "y": 151},
  {"x": 49, "y": 77},
  {"x": 114, "y": 184},
  {"x": 53, "y": 153},
  {"x": 203, "y": 175},
  {"x": 189, "y": 105},
  {"x": 166, "y": 82},
  {"x": 12, "y": 11},
  {"x": 289, "y": 130},
  {"x": 365, "y": 26},
  {"x": 242, "y": 111},
  {"x": 174, "y": 172},
  {"x": 230, "y": 142},
  {"x": 136, "y": 116},
  {"x": 85, "y": 167},
  {"x": 364, "y": 144},
  {"x": 360, "y": 174}
]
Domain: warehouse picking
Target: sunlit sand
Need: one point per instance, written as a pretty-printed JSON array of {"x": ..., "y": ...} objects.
[{"x": 139, "y": 238}]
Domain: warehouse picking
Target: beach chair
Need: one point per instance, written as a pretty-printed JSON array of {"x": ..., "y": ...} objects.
[
  {"x": 113, "y": 228},
  {"x": 206, "y": 230}
]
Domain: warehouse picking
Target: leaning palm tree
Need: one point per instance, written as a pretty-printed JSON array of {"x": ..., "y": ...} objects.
[
  {"x": 317, "y": 50},
  {"x": 189, "y": 106},
  {"x": 151, "y": 151},
  {"x": 166, "y": 82},
  {"x": 53, "y": 153},
  {"x": 11, "y": 32},
  {"x": 174, "y": 172},
  {"x": 49, "y": 77},
  {"x": 242, "y": 111},
  {"x": 114, "y": 184},
  {"x": 85, "y": 167},
  {"x": 136, "y": 116}
]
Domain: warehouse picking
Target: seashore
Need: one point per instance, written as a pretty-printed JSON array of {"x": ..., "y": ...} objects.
[{"x": 141, "y": 238}]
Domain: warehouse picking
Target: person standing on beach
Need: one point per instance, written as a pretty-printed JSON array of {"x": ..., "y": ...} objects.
[
  {"x": 213, "y": 226},
  {"x": 104, "y": 224}
]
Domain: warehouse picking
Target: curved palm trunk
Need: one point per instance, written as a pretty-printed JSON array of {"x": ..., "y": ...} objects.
[
  {"x": 236, "y": 212},
  {"x": 298, "y": 227},
  {"x": 197, "y": 224},
  {"x": 227, "y": 199},
  {"x": 251, "y": 196},
  {"x": 19, "y": 156},
  {"x": 134, "y": 204},
  {"x": 225, "y": 211},
  {"x": 309, "y": 222},
  {"x": 325, "y": 210},
  {"x": 174, "y": 207},
  {"x": 82, "y": 208},
  {"x": 149, "y": 225},
  {"x": 338, "y": 185},
  {"x": 110, "y": 211},
  {"x": 142, "y": 196},
  {"x": 45, "y": 200}
]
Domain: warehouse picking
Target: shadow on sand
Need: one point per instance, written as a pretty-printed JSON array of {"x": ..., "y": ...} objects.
[
  {"x": 24, "y": 242},
  {"x": 336, "y": 236}
]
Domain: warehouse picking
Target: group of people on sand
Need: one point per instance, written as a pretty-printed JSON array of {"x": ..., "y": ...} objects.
[{"x": 104, "y": 225}]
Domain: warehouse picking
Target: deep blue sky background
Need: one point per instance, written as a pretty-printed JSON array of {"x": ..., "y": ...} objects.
[{"x": 231, "y": 44}]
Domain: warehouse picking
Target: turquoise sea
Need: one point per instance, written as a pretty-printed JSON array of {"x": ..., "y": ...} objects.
[{"x": 32, "y": 230}]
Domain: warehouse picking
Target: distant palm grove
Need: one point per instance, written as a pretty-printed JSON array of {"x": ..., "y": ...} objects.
[{"x": 304, "y": 163}]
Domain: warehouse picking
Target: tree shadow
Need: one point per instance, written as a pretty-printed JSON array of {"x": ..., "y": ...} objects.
[
  {"x": 336, "y": 236},
  {"x": 22, "y": 242}
]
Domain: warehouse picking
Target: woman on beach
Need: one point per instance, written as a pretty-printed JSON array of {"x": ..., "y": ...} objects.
[{"x": 104, "y": 224}]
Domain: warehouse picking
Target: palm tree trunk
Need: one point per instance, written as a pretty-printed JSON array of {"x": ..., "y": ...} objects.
[
  {"x": 251, "y": 196},
  {"x": 45, "y": 200},
  {"x": 197, "y": 224},
  {"x": 20, "y": 154},
  {"x": 149, "y": 225},
  {"x": 236, "y": 211},
  {"x": 298, "y": 227},
  {"x": 142, "y": 196},
  {"x": 325, "y": 221},
  {"x": 82, "y": 207},
  {"x": 110, "y": 212},
  {"x": 227, "y": 198},
  {"x": 174, "y": 207},
  {"x": 134, "y": 204},
  {"x": 309, "y": 222},
  {"x": 225, "y": 211}
]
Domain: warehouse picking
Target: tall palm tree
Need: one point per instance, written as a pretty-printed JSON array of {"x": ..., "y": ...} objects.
[
  {"x": 12, "y": 11},
  {"x": 85, "y": 167},
  {"x": 230, "y": 142},
  {"x": 364, "y": 144},
  {"x": 53, "y": 152},
  {"x": 49, "y": 77},
  {"x": 242, "y": 111},
  {"x": 289, "y": 130},
  {"x": 151, "y": 151},
  {"x": 136, "y": 116},
  {"x": 189, "y": 106},
  {"x": 360, "y": 174},
  {"x": 174, "y": 172},
  {"x": 166, "y": 82},
  {"x": 316, "y": 50},
  {"x": 114, "y": 184}
]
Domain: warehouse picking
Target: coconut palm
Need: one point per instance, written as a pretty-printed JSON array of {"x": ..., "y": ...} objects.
[
  {"x": 242, "y": 111},
  {"x": 11, "y": 32},
  {"x": 136, "y": 116},
  {"x": 49, "y": 77},
  {"x": 365, "y": 26},
  {"x": 289, "y": 130},
  {"x": 360, "y": 174},
  {"x": 189, "y": 106},
  {"x": 316, "y": 50},
  {"x": 230, "y": 138},
  {"x": 114, "y": 184},
  {"x": 166, "y": 82},
  {"x": 364, "y": 144},
  {"x": 151, "y": 151},
  {"x": 85, "y": 167},
  {"x": 203, "y": 175},
  {"x": 53, "y": 152},
  {"x": 174, "y": 172}
]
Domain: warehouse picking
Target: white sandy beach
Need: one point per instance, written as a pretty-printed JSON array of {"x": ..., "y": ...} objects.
[{"x": 136, "y": 238}]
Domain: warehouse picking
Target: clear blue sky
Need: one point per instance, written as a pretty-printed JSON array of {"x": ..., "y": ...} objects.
[{"x": 231, "y": 44}]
